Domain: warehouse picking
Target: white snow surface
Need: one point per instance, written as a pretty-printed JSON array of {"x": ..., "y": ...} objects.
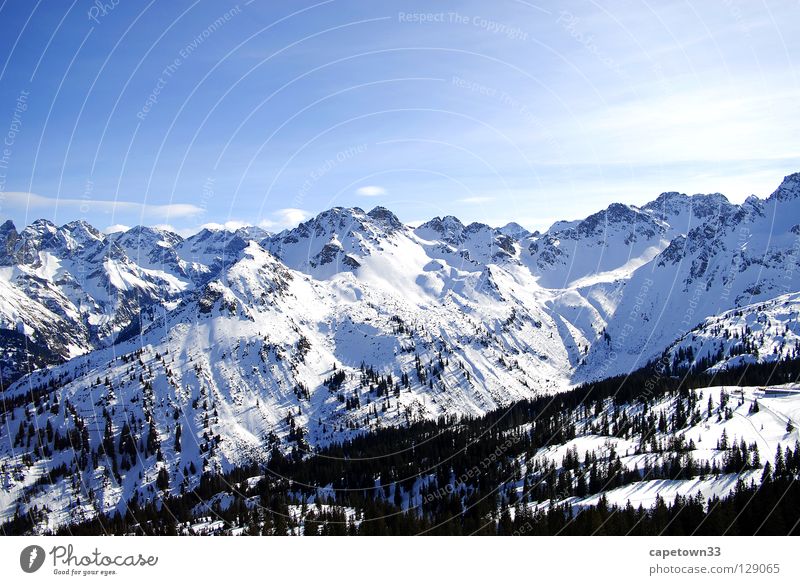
[{"x": 235, "y": 333}]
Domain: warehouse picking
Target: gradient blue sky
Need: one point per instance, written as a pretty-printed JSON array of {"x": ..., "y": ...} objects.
[{"x": 494, "y": 112}]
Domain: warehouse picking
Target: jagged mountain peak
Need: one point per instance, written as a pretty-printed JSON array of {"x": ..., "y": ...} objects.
[
  {"x": 666, "y": 201},
  {"x": 514, "y": 230},
  {"x": 476, "y": 227},
  {"x": 208, "y": 232},
  {"x": 40, "y": 226},
  {"x": 250, "y": 283},
  {"x": 218, "y": 238},
  {"x": 338, "y": 213},
  {"x": 80, "y": 235},
  {"x": 34, "y": 238},
  {"x": 43, "y": 234},
  {"x": 385, "y": 217},
  {"x": 673, "y": 201},
  {"x": 335, "y": 240},
  {"x": 149, "y": 232},
  {"x": 80, "y": 226},
  {"x": 252, "y": 232},
  {"x": 447, "y": 221},
  {"x": 8, "y": 239},
  {"x": 681, "y": 213},
  {"x": 615, "y": 215},
  {"x": 448, "y": 229},
  {"x": 8, "y": 226},
  {"x": 149, "y": 247},
  {"x": 211, "y": 248},
  {"x": 789, "y": 188},
  {"x": 344, "y": 222}
]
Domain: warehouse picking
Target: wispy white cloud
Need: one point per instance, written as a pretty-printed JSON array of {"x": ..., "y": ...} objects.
[
  {"x": 370, "y": 191},
  {"x": 476, "y": 200},
  {"x": 117, "y": 227},
  {"x": 21, "y": 200},
  {"x": 280, "y": 219},
  {"x": 288, "y": 217},
  {"x": 231, "y": 224}
]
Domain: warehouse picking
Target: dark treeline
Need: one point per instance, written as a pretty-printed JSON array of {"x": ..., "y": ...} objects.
[{"x": 480, "y": 475}]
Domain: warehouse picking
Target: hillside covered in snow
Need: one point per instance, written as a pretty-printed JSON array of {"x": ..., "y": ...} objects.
[
  {"x": 641, "y": 455},
  {"x": 136, "y": 363}
]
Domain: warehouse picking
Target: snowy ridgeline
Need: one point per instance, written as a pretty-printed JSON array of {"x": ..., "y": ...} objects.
[{"x": 154, "y": 359}]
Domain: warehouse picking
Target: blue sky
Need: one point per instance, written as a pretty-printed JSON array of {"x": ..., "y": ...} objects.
[{"x": 193, "y": 113}]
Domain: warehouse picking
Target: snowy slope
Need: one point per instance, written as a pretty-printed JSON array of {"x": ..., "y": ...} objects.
[
  {"x": 762, "y": 332},
  {"x": 352, "y": 321},
  {"x": 745, "y": 256},
  {"x": 707, "y": 438}
]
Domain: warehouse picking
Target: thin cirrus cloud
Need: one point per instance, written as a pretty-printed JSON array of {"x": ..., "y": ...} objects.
[
  {"x": 476, "y": 200},
  {"x": 35, "y": 203},
  {"x": 370, "y": 191}
]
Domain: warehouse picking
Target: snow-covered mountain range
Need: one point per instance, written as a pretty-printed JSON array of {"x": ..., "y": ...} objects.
[{"x": 184, "y": 355}]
